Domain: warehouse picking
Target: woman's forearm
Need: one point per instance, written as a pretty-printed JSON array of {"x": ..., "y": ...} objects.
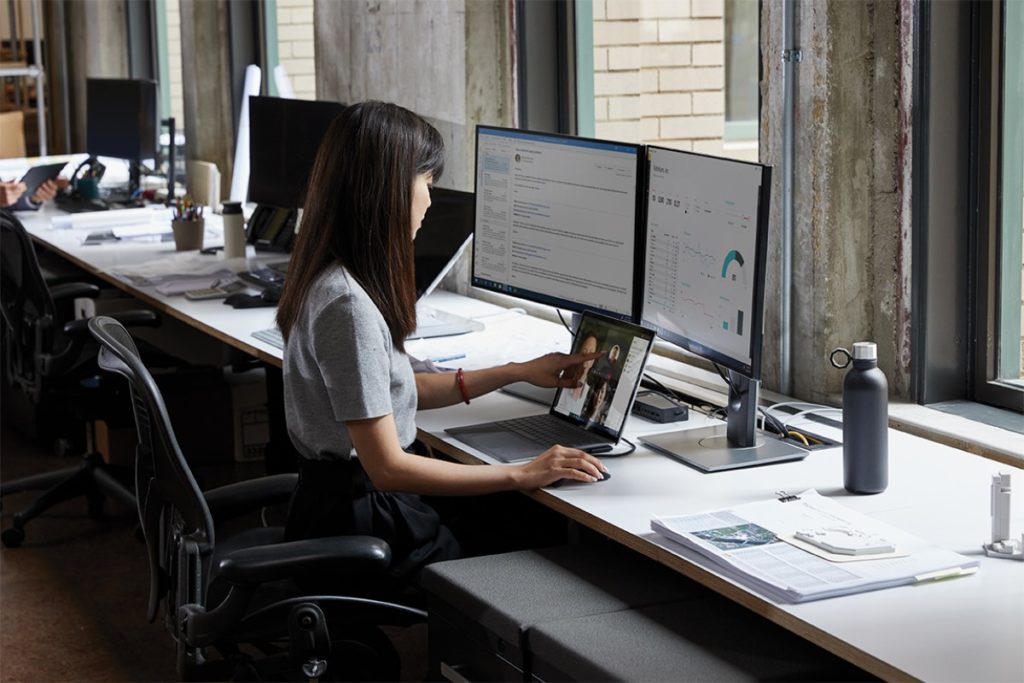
[{"x": 437, "y": 390}]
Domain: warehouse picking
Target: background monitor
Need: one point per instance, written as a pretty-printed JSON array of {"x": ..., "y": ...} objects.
[
  {"x": 704, "y": 270},
  {"x": 121, "y": 118},
  {"x": 445, "y": 233},
  {"x": 556, "y": 220},
  {"x": 284, "y": 136}
]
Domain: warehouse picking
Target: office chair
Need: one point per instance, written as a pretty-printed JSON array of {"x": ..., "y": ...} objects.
[
  {"x": 244, "y": 590},
  {"x": 48, "y": 363}
]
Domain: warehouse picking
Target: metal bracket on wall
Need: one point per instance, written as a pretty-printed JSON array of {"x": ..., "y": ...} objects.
[{"x": 794, "y": 56}]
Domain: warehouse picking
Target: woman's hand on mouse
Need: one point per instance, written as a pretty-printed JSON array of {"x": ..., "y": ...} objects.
[{"x": 559, "y": 462}]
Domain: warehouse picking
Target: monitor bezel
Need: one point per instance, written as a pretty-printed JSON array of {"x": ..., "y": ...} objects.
[
  {"x": 471, "y": 202},
  {"x": 751, "y": 369},
  {"x": 146, "y": 94},
  {"x": 639, "y": 226},
  {"x": 277, "y": 193}
]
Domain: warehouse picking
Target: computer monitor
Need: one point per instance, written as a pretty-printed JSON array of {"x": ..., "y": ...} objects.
[
  {"x": 121, "y": 121},
  {"x": 284, "y": 138},
  {"x": 556, "y": 220},
  {"x": 446, "y": 232},
  {"x": 704, "y": 269}
]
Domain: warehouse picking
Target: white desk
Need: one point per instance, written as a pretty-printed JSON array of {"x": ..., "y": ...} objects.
[
  {"x": 966, "y": 629},
  {"x": 232, "y": 326}
]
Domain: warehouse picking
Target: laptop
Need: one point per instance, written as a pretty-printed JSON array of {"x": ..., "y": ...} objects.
[{"x": 591, "y": 417}]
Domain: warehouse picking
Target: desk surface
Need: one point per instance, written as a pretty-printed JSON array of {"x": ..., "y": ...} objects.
[{"x": 970, "y": 628}]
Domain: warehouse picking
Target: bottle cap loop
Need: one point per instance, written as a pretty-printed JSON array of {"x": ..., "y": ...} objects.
[{"x": 844, "y": 352}]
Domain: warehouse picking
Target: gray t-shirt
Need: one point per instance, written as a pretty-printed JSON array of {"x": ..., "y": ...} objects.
[{"x": 340, "y": 365}]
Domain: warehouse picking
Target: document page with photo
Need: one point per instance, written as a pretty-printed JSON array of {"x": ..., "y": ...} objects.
[{"x": 752, "y": 543}]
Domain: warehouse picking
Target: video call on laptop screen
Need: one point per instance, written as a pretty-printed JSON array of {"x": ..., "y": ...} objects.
[{"x": 603, "y": 401}]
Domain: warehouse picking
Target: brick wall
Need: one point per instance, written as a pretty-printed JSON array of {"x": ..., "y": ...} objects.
[
  {"x": 174, "y": 62},
  {"x": 659, "y": 74},
  {"x": 295, "y": 49}
]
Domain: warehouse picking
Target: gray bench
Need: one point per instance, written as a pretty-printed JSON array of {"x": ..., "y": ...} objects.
[
  {"x": 698, "y": 640},
  {"x": 481, "y": 609}
]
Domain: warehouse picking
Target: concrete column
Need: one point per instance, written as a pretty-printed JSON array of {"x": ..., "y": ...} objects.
[
  {"x": 206, "y": 85},
  {"x": 851, "y": 233},
  {"x": 448, "y": 61},
  {"x": 97, "y": 43}
]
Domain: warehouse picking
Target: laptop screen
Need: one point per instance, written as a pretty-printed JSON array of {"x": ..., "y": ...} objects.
[{"x": 605, "y": 398}]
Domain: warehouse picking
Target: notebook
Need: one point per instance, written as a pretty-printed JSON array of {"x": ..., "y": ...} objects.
[{"x": 590, "y": 417}]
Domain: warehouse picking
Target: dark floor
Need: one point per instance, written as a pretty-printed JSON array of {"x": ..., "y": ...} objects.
[{"x": 73, "y": 597}]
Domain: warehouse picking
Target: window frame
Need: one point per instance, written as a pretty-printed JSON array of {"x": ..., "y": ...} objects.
[{"x": 995, "y": 321}]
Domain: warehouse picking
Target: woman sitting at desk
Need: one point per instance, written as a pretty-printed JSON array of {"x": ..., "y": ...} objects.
[{"x": 350, "y": 393}]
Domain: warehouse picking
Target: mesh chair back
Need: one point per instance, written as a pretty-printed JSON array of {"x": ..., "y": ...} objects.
[
  {"x": 172, "y": 509},
  {"x": 26, "y": 307}
]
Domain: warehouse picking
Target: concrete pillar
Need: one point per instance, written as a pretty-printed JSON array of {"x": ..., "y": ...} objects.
[
  {"x": 852, "y": 156},
  {"x": 97, "y": 41},
  {"x": 448, "y": 61},
  {"x": 206, "y": 85}
]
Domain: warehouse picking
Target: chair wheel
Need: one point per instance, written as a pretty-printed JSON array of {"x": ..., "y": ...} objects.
[{"x": 13, "y": 537}]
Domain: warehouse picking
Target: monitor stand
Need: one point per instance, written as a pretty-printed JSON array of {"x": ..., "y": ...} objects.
[{"x": 736, "y": 444}]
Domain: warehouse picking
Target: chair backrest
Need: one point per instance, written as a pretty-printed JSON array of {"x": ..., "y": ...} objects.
[
  {"x": 26, "y": 308},
  {"x": 203, "y": 182},
  {"x": 172, "y": 508}
]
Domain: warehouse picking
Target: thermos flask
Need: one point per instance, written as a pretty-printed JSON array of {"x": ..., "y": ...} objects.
[
  {"x": 234, "y": 230},
  {"x": 865, "y": 420}
]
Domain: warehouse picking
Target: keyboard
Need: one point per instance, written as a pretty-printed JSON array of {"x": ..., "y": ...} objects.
[
  {"x": 272, "y": 336},
  {"x": 545, "y": 430}
]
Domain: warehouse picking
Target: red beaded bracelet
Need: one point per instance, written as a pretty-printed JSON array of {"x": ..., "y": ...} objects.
[{"x": 460, "y": 379}]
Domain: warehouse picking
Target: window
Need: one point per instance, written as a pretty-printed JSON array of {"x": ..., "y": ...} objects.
[
  {"x": 999, "y": 352},
  {"x": 290, "y": 45},
  {"x": 677, "y": 74},
  {"x": 968, "y": 193}
]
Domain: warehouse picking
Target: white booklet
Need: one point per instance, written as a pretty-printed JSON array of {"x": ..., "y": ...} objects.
[{"x": 756, "y": 544}]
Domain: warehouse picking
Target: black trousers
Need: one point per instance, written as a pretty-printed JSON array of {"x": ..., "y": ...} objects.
[{"x": 335, "y": 498}]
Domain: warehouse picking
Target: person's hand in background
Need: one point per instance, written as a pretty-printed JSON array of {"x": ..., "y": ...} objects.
[
  {"x": 45, "y": 192},
  {"x": 10, "y": 192}
]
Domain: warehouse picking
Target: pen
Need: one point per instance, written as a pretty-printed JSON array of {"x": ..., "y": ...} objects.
[{"x": 445, "y": 359}]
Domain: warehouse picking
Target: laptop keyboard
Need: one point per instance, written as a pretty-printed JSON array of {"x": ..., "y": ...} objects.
[{"x": 547, "y": 431}]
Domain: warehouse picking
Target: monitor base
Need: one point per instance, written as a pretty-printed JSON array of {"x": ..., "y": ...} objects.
[{"x": 708, "y": 449}]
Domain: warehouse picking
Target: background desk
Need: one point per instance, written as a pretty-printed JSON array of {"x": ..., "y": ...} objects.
[{"x": 967, "y": 629}]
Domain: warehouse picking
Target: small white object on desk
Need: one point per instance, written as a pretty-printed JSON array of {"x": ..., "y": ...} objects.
[
  {"x": 845, "y": 541},
  {"x": 1002, "y": 545}
]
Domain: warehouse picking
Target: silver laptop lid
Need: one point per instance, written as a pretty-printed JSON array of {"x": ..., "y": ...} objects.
[{"x": 603, "y": 402}]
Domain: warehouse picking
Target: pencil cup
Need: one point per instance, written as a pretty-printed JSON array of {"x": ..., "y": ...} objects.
[{"x": 188, "y": 235}]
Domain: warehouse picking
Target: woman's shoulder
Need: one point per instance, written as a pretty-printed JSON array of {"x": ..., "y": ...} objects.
[{"x": 336, "y": 288}]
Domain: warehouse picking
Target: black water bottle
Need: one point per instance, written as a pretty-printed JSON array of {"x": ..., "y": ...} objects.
[{"x": 865, "y": 421}]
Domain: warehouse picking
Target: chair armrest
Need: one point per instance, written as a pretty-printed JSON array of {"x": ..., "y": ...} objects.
[
  {"x": 74, "y": 290},
  {"x": 244, "y": 496},
  {"x": 341, "y": 556},
  {"x": 80, "y": 328}
]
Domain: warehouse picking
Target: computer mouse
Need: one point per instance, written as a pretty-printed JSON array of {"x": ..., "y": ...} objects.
[
  {"x": 236, "y": 299},
  {"x": 271, "y": 294},
  {"x": 605, "y": 476}
]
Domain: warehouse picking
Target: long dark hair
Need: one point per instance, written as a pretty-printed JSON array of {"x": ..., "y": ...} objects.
[{"x": 358, "y": 211}]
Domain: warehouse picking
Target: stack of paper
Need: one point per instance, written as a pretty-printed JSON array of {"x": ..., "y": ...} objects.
[{"x": 756, "y": 545}]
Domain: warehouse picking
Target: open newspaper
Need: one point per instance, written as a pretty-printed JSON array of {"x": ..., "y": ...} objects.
[{"x": 757, "y": 544}]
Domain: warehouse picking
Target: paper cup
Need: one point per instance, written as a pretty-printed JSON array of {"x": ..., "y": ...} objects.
[{"x": 188, "y": 235}]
